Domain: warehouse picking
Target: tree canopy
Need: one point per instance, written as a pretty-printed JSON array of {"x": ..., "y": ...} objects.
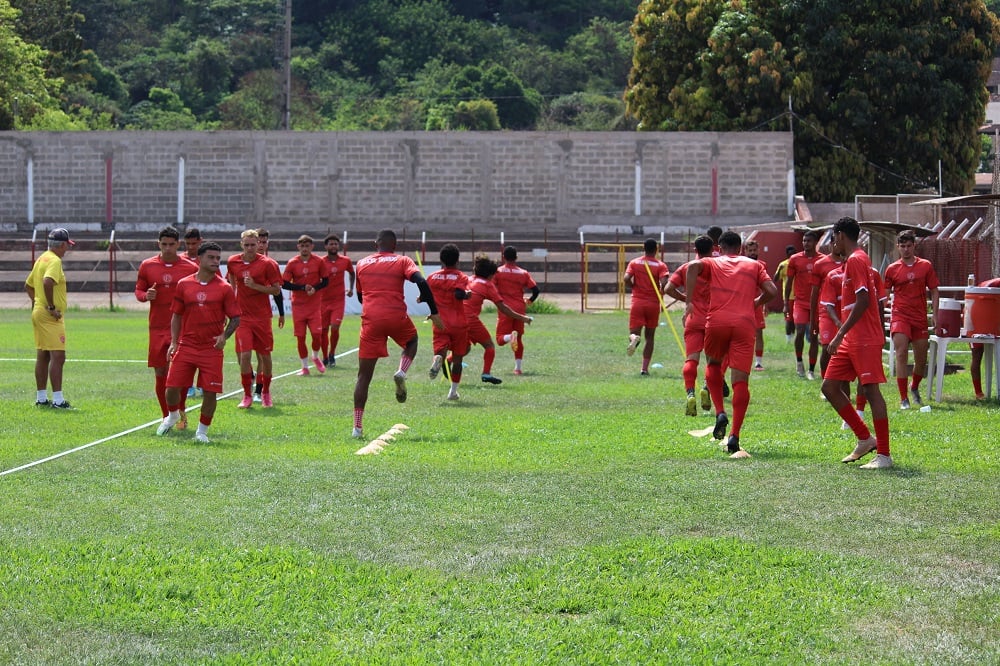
[{"x": 881, "y": 90}]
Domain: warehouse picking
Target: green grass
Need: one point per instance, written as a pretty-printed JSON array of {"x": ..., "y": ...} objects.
[{"x": 563, "y": 517}]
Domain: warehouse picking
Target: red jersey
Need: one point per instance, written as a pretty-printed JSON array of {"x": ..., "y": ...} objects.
[
  {"x": 824, "y": 264},
  {"x": 735, "y": 281},
  {"x": 204, "y": 309},
  {"x": 443, "y": 284},
  {"x": 306, "y": 272},
  {"x": 335, "y": 292},
  {"x": 379, "y": 282},
  {"x": 699, "y": 295},
  {"x": 512, "y": 281},
  {"x": 254, "y": 305},
  {"x": 482, "y": 291},
  {"x": 165, "y": 276},
  {"x": 802, "y": 266},
  {"x": 830, "y": 292},
  {"x": 909, "y": 285},
  {"x": 858, "y": 276},
  {"x": 646, "y": 291}
]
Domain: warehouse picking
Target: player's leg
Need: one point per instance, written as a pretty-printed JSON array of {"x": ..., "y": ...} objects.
[
  {"x": 245, "y": 357},
  {"x": 366, "y": 369},
  {"x": 42, "y": 357},
  {"x": 316, "y": 335},
  {"x": 901, "y": 345},
  {"x": 921, "y": 343},
  {"x": 976, "y": 369},
  {"x": 324, "y": 335},
  {"x": 800, "y": 337},
  {"x": 333, "y": 342}
]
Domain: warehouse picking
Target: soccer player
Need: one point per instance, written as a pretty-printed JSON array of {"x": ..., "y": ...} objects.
[
  {"x": 192, "y": 241},
  {"x": 512, "y": 281},
  {"x": 263, "y": 240},
  {"x": 821, "y": 267},
  {"x": 909, "y": 279},
  {"x": 380, "y": 279},
  {"x": 198, "y": 333},
  {"x": 481, "y": 288},
  {"x": 156, "y": 284},
  {"x": 46, "y": 287},
  {"x": 977, "y": 348},
  {"x": 679, "y": 288},
  {"x": 304, "y": 275},
  {"x": 856, "y": 349},
  {"x": 752, "y": 250},
  {"x": 779, "y": 278},
  {"x": 334, "y": 298},
  {"x": 737, "y": 285},
  {"x": 450, "y": 288},
  {"x": 256, "y": 279},
  {"x": 646, "y": 276},
  {"x": 800, "y": 267},
  {"x": 828, "y": 300}
]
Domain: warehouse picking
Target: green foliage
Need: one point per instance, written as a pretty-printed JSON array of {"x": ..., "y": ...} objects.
[
  {"x": 27, "y": 92},
  {"x": 164, "y": 110},
  {"x": 583, "y": 111}
]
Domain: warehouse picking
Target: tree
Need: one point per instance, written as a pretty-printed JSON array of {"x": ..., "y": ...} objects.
[
  {"x": 882, "y": 89},
  {"x": 25, "y": 89}
]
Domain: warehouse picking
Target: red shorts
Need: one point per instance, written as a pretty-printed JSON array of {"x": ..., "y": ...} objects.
[
  {"x": 758, "y": 318},
  {"x": 857, "y": 361},
  {"x": 332, "y": 314},
  {"x": 311, "y": 320},
  {"x": 910, "y": 330},
  {"x": 453, "y": 338},
  {"x": 506, "y": 325},
  {"x": 643, "y": 315},
  {"x": 735, "y": 342},
  {"x": 800, "y": 313},
  {"x": 694, "y": 340},
  {"x": 478, "y": 333},
  {"x": 254, "y": 335},
  {"x": 375, "y": 334},
  {"x": 159, "y": 342},
  {"x": 208, "y": 363},
  {"x": 827, "y": 330}
]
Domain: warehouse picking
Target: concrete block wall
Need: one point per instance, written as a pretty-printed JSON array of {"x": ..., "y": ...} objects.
[{"x": 435, "y": 181}]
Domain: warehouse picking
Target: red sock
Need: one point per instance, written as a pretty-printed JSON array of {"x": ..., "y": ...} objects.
[
  {"x": 862, "y": 400},
  {"x": 977, "y": 386},
  {"x": 334, "y": 339},
  {"x": 205, "y": 420},
  {"x": 915, "y": 384},
  {"x": 247, "y": 381},
  {"x": 741, "y": 400},
  {"x": 303, "y": 350},
  {"x": 645, "y": 363},
  {"x": 324, "y": 343},
  {"x": 713, "y": 377},
  {"x": 519, "y": 354},
  {"x": 882, "y": 436},
  {"x": 359, "y": 414},
  {"x": 854, "y": 422},
  {"x": 161, "y": 393},
  {"x": 265, "y": 383},
  {"x": 901, "y": 385},
  {"x": 184, "y": 399},
  {"x": 690, "y": 373},
  {"x": 489, "y": 354},
  {"x": 404, "y": 362}
]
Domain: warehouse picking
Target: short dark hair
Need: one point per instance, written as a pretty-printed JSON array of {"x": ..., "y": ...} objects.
[
  {"x": 510, "y": 253},
  {"x": 906, "y": 236},
  {"x": 849, "y": 227},
  {"x": 789, "y": 250},
  {"x": 263, "y": 233},
  {"x": 386, "y": 238},
  {"x": 192, "y": 234},
  {"x": 169, "y": 232},
  {"x": 330, "y": 237},
  {"x": 449, "y": 255},
  {"x": 730, "y": 240},
  {"x": 703, "y": 246},
  {"x": 811, "y": 234},
  {"x": 484, "y": 267},
  {"x": 714, "y": 233},
  {"x": 650, "y": 246},
  {"x": 209, "y": 247}
]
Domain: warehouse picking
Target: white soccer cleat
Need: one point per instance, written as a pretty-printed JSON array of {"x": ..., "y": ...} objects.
[
  {"x": 167, "y": 424},
  {"x": 879, "y": 462},
  {"x": 453, "y": 395},
  {"x": 357, "y": 434},
  {"x": 435, "y": 366},
  {"x": 201, "y": 438},
  {"x": 400, "y": 379},
  {"x": 633, "y": 342}
]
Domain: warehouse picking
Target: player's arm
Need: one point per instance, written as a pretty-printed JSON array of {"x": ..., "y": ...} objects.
[
  {"x": 628, "y": 280},
  {"x": 534, "y": 294},
  {"x": 175, "y": 334},
  {"x": 814, "y": 308},
  {"x": 505, "y": 309},
  {"x": 31, "y": 293},
  {"x": 321, "y": 284},
  {"x": 864, "y": 300},
  {"x": 141, "y": 286},
  {"x": 427, "y": 296},
  {"x": 768, "y": 292},
  {"x": 694, "y": 269},
  {"x": 674, "y": 292},
  {"x": 788, "y": 288},
  {"x": 462, "y": 294},
  {"x": 934, "y": 306},
  {"x": 351, "y": 280},
  {"x": 234, "y": 322}
]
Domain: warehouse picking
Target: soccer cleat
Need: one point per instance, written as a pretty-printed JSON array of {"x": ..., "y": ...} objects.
[
  {"x": 515, "y": 344},
  {"x": 202, "y": 438},
  {"x": 320, "y": 367},
  {"x": 435, "y": 366},
  {"x": 721, "y": 423},
  {"x": 706, "y": 399},
  {"x": 182, "y": 424},
  {"x": 733, "y": 443},
  {"x": 42, "y": 403},
  {"x": 357, "y": 434},
  {"x": 800, "y": 369},
  {"x": 863, "y": 448},
  {"x": 245, "y": 402},
  {"x": 61, "y": 405},
  {"x": 304, "y": 372},
  {"x": 810, "y": 376},
  {"x": 904, "y": 404},
  {"x": 490, "y": 379},
  {"x": 692, "y": 405},
  {"x": 400, "y": 379},
  {"x": 980, "y": 396},
  {"x": 518, "y": 372},
  {"x": 331, "y": 361},
  {"x": 266, "y": 401},
  {"x": 633, "y": 342},
  {"x": 758, "y": 366},
  {"x": 644, "y": 373},
  {"x": 256, "y": 397},
  {"x": 878, "y": 462},
  {"x": 915, "y": 394},
  {"x": 453, "y": 395},
  {"x": 166, "y": 425}
]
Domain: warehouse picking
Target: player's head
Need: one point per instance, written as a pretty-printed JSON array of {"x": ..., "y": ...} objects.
[
  {"x": 751, "y": 249},
  {"x": 210, "y": 246},
  {"x": 169, "y": 232},
  {"x": 905, "y": 243},
  {"x": 715, "y": 233},
  {"x": 789, "y": 250},
  {"x": 484, "y": 267},
  {"x": 846, "y": 228},
  {"x": 385, "y": 241},
  {"x": 250, "y": 241},
  {"x": 510, "y": 253},
  {"x": 169, "y": 240},
  {"x": 703, "y": 246},
  {"x": 209, "y": 256},
  {"x": 730, "y": 242},
  {"x": 449, "y": 255},
  {"x": 263, "y": 237},
  {"x": 304, "y": 244},
  {"x": 650, "y": 246},
  {"x": 332, "y": 244},
  {"x": 192, "y": 239},
  {"x": 809, "y": 240}
]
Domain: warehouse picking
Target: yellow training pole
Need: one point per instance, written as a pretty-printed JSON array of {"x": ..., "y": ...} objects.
[{"x": 670, "y": 322}]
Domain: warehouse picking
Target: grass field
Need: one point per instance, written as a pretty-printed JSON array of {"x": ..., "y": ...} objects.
[{"x": 566, "y": 516}]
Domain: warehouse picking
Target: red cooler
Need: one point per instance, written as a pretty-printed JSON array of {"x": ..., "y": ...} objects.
[
  {"x": 949, "y": 318},
  {"x": 982, "y": 311}
]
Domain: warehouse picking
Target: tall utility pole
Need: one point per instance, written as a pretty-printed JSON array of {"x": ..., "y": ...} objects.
[{"x": 286, "y": 62}]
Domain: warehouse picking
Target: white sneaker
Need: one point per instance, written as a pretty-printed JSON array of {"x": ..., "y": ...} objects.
[
  {"x": 435, "y": 366},
  {"x": 810, "y": 376},
  {"x": 256, "y": 397},
  {"x": 166, "y": 425},
  {"x": 880, "y": 462},
  {"x": 357, "y": 434},
  {"x": 633, "y": 342},
  {"x": 800, "y": 369},
  {"x": 453, "y": 395},
  {"x": 202, "y": 438},
  {"x": 400, "y": 379}
]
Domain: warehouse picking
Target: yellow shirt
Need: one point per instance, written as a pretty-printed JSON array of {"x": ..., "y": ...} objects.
[{"x": 49, "y": 265}]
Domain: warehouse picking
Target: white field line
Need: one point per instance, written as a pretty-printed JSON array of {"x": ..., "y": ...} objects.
[{"x": 138, "y": 427}]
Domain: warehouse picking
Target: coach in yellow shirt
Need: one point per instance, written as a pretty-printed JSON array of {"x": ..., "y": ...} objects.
[{"x": 46, "y": 287}]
